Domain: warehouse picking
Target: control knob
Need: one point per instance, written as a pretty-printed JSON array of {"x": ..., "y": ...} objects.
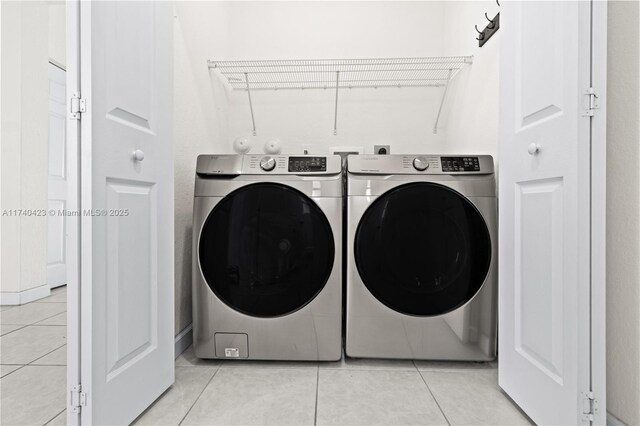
[
  {"x": 420, "y": 163},
  {"x": 267, "y": 163}
]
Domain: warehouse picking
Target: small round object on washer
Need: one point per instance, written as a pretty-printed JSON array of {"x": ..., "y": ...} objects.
[
  {"x": 241, "y": 145},
  {"x": 273, "y": 146}
]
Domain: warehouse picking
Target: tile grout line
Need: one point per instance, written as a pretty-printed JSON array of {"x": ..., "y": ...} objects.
[
  {"x": 40, "y": 320},
  {"x": 200, "y": 394},
  {"x": 19, "y": 328},
  {"x": 8, "y": 374},
  {"x": 35, "y": 323},
  {"x": 52, "y": 365},
  {"x": 54, "y": 417},
  {"x": 315, "y": 414},
  {"x": 44, "y": 319},
  {"x": 46, "y": 325},
  {"x": 413, "y": 361},
  {"x": 406, "y": 370},
  {"x": 432, "y": 395},
  {"x": 29, "y": 363},
  {"x": 149, "y": 407}
]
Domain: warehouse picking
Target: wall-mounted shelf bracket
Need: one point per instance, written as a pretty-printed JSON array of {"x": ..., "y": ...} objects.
[
  {"x": 444, "y": 95},
  {"x": 253, "y": 120},
  {"x": 335, "y": 117}
]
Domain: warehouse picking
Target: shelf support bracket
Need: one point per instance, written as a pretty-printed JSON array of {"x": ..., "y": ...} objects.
[
  {"x": 253, "y": 120},
  {"x": 444, "y": 95},
  {"x": 335, "y": 116}
]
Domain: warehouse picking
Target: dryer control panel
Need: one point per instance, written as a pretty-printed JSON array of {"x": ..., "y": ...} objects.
[
  {"x": 420, "y": 164},
  {"x": 307, "y": 164},
  {"x": 460, "y": 164}
]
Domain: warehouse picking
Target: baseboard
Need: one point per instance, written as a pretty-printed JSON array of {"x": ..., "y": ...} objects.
[
  {"x": 184, "y": 339},
  {"x": 26, "y": 296},
  {"x": 614, "y": 421}
]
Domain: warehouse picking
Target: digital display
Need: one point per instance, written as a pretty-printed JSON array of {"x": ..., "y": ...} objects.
[
  {"x": 307, "y": 164},
  {"x": 460, "y": 164}
]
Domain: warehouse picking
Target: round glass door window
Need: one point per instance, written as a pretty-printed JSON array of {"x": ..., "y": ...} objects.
[
  {"x": 266, "y": 250},
  {"x": 422, "y": 249}
]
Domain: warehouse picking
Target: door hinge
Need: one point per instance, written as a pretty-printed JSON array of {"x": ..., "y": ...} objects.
[
  {"x": 78, "y": 105},
  {"x": 78, "y": 399},
  {"x": 590, "y": 406},
  {"x": 593, "y": 102}
]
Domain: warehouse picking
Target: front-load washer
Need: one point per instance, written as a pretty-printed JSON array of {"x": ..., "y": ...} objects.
[
  {"x": 421, "y": 257},
  {"x": 267, "y": 257}
]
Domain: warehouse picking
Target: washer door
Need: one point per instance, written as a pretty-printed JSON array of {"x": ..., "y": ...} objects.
[
  {"x": 266, "y": 250},
  {"x": 422, "y": 249}
]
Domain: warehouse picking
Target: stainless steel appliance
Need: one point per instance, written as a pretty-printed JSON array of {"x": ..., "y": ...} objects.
[
  {"x": 421, "y": 258},
  {"x": 267, "y": 257}
]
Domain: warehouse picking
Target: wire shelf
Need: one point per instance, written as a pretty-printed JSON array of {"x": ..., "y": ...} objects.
[
  {"x": 340, "y": 73},
  {"x": 337, "y": 74}
]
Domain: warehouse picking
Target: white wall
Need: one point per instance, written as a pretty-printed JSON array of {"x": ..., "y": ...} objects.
[
  {"x": 208, "y": 118},
  {"x": 471, "y": 112},
  {"x": 24, "y": 119},
  {"x": 32, "y": 34},
  {"x": 623, "y": 211},
  {"x": 196, "y": 127},
  {"x": 402, "y": 118}
]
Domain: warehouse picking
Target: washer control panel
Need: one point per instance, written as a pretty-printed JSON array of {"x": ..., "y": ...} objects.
[
  {"x": 234, "y": 165},
  {"x": 307, "y": 164},
  {"x": 460, "y": 164}
]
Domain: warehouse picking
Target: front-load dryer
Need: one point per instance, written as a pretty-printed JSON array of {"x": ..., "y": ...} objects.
[
  {"x": 267, "y": 257},
  {"x": 421, "y": 258}
]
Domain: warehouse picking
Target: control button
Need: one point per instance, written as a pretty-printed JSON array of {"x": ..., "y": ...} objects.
[
  {"x": 420, "y": 163},
  {"x": 267, "y": 163}
]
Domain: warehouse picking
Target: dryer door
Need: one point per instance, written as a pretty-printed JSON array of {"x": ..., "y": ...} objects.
[
  {"x": 422, "y": 249},
  {"x": 266, "y": 250}
]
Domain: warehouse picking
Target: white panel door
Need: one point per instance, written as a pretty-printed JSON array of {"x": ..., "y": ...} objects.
[
  {"x": 57, "y": 179},
  {"x": 127, "y": 339},
  {"x": 545, "y": 204}
]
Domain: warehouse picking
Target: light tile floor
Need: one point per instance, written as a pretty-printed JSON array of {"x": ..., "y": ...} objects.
[
  {"x": 33, "y": 361},
  {"x": 347, "y": 392},
  {"x": 210, "y": 392}
]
